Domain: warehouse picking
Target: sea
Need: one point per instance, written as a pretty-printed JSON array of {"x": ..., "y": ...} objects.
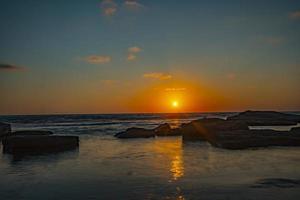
[{"x": 105, "y": 167}]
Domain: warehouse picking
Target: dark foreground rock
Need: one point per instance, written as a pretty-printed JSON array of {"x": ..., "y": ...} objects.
[
  {"x": 266, "y": 118},
  {"x": 203, "y": 128},
  {"x": 5, "y": 129},
  {"x": 37, "y": 144}
]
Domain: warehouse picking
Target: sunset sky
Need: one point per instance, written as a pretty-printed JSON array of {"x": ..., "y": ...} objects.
[{"x": 122, "y": 56}]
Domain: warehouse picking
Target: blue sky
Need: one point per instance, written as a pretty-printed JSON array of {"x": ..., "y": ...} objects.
[{"x": 55, "y": 51}]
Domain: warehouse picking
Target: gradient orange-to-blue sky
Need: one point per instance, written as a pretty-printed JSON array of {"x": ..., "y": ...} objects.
[{"x": 122, "y": 56}]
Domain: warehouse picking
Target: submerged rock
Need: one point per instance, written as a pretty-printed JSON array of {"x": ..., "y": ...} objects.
[
  {"x": 5, "y": 129},
  {"x": 266, "y": 118},
  {"x": 136, "y": 133},
  {"x": 37, "y": 144},
  {"x": 277, "y": 182}
]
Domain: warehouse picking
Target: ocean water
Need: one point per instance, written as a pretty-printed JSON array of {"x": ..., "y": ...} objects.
[{"x": 105, "y": 167}]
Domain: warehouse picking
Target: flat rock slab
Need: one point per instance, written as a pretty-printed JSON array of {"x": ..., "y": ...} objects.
[
  {"x": 21, "y": 144},
  {"x": 266, "y": 118},
  {"x": 244, "y": 139},
  {"x": 32, "y": 132},
  {"x": 5, "y": 129}
]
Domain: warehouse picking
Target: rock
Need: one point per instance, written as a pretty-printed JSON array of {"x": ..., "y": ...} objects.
[
  {"x": 203, "y": 128},
  {"x": 266, "y": 118},
  {"x": 37, "y": 144},
  {"x": 243, "y": 139},
  {"x": 32, "y": 132},
  {"x": 136, "y": 133},
  {"x": 5, "y": 129},
  {"x": 166, "y": 130}
]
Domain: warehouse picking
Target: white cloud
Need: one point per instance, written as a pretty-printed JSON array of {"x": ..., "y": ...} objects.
[
  {"x": 133, "y": 4},
  {"x": 98, "y": 59},
  {"x": 157, "y": 75}
]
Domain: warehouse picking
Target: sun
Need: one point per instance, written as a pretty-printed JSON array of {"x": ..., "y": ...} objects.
[{"x": 174, "y": 104}]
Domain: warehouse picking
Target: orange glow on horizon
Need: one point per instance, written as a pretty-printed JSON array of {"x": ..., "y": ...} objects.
[{"x": 175, "y": 96}]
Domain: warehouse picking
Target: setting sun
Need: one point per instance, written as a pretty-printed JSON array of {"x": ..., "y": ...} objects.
[{"x": 174, "y": 104}]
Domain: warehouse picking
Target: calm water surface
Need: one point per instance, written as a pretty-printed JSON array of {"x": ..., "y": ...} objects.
[{"x": 157, "y": 168}]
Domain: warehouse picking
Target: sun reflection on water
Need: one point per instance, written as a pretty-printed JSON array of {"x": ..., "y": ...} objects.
[
  {"x": 177, "y": 168},
  {"x": 171, "y": 151}
]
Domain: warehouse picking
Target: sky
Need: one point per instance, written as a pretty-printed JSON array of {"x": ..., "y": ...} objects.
[{"x": 130, "y": 56}]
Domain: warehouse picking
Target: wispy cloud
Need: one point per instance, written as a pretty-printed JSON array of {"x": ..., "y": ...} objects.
[
  {"x": 108, "y": 7},
  {"x": 98, "y": 59},
  {"x": 133, "y": 4},
  {"x": 231, "y": 76},
  {"x": 157, "y": 75},
  {"x": 131, "y": 57},
  {"x": 175, "y": 89},
  {"x": 132, "y": 51},
  {"x": 295, "y": 15},
  {"x": 10, "y": 67},
  {"x": 109, "y": 82},
  {"x": 274, "y": 41}
]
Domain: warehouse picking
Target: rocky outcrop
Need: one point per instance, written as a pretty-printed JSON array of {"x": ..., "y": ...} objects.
[
  {"x": 203, "y": 128},
  {"x": 266, "y": 118},
  {"x": 232, "y": 133},
  {"x": 166, "y": 130},
  {"x": 136, "y": 133},
  {"x": 38, "y": 144},
  {"x": 5, "y": 129},
  {"x": 161, "y": 130}
]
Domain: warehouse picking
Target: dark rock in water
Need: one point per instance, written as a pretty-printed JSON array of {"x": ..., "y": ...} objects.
[
  {"x": 166, "y": 130},
  {"x": 136, "y": 133},
  {"x": 161, "y": 130},
  {"x": 37, "y": 144},
  {"x": 32, "y": 132},
  {"x": 203, "y": 128},
  {"x": 266, "y": 118},
  {"x": 243, "y": 139},
  {"x": 5, "y": 129},
  {"x": 277, "y": 182}
]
